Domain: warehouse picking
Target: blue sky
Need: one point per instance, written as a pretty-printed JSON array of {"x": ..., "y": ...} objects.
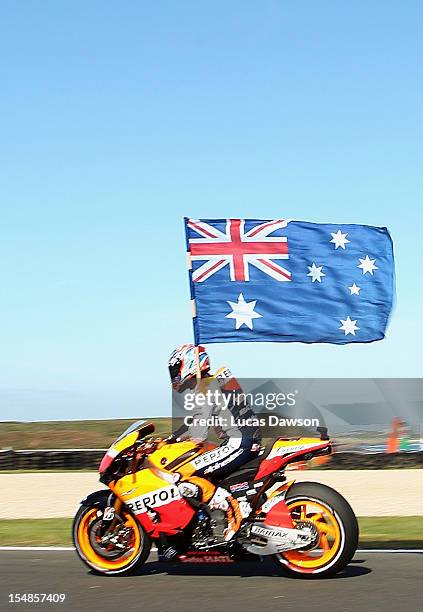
[{"x": 116, "y": 121}]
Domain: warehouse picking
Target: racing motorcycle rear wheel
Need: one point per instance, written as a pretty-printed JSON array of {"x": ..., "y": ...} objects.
[
  {"x": 335, "y": 527},
  {"x": 121, "y": 551}
]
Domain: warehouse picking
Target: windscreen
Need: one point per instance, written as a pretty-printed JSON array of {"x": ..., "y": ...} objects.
[{"x": 131, "y": 428}]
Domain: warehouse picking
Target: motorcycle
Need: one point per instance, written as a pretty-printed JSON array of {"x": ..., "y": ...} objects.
[{"x": 308, "y": 528}]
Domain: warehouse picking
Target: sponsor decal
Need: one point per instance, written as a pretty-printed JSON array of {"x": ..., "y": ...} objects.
[
  {"x": 289, "y": 450},
  {"x": 273, "y": 501},
  {"x": 229, "y": 459},
  {"x": 223, "y": 374},
  {"x": 109, "y": 513},
  {"x": 167, "y": 476},
  {"x": 210, "y": 558},
  {"x": 269, "y": 533},
  {"x": 239, "y": 486},
  {"x": 256, "y": 487},
  {"x": 215, "y": 455},
  {"x": 128, "y": 492},
  {"x": 159, "y": 497}
]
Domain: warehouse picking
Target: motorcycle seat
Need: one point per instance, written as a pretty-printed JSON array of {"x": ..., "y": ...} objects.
[{"x": 249, "y": 469}]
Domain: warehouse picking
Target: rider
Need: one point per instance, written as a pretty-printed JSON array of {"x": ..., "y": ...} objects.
[{"x": 233, "y": 420}]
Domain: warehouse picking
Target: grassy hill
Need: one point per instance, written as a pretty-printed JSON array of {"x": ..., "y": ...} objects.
[
  {"x": 69, "y": 434},
  {"x": 89, "y": 434}
]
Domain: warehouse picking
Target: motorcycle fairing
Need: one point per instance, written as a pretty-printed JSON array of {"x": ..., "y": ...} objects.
[
  {"x": 286, "y": 451},
  {"x": 156, "y": 503},
  {"x": 152, "y": 494},
  {"x": 127, "y": 439}
]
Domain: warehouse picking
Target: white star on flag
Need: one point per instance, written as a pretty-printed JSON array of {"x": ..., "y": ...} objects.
[
  {"x": 354, "y": 289},
  {"x": 349, "y": 326},
  {"x": 367, "y": 265},
  {"x": 339, "y": 239},
  {"x": 243, "y": 312},
  {"x": 315, "y": 273}
]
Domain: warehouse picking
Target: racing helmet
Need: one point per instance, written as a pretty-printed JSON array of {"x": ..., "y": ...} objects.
[{"x": 183, "y": 366}]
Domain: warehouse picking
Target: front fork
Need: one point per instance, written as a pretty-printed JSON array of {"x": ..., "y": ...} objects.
[{"x": 111, "y": 514}]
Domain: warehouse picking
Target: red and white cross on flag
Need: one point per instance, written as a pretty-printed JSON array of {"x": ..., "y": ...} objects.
[{"x": 238, "y": 249}]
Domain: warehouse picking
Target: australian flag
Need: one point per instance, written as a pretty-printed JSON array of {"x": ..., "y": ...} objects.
[{"x": 256, "y": 280}]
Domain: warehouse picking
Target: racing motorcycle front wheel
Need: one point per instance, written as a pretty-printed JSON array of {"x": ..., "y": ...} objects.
[
  {"x": 335, "y": 531},
  {"x": 121, "y": 550}
]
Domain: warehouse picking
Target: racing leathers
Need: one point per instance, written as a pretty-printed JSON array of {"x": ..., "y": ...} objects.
[{"x": 223, "y": 407}]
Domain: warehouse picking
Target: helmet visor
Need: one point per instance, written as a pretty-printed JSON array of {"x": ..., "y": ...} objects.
[{"x": 175, "y": 371}]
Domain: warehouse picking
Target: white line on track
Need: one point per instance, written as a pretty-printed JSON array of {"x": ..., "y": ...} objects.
[
  {"x": 71, "y": 548},
  {"x": 53, "y": 548},
  {"x": 48, "y": 548},
  {"x": 390, "y": 550}
]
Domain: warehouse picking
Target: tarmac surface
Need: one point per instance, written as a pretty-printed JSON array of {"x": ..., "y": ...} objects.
[{"x": 374, "y": 582}]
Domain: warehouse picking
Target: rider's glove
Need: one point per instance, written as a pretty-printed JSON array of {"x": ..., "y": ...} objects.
[{"x": 171, "y": 439}]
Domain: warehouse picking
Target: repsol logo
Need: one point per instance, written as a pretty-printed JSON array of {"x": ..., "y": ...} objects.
[
  {"x": 159, "y": 497},
  {"x": 212, "y": 456}
]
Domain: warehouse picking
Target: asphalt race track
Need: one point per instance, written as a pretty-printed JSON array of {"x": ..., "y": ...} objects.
[{"x": 376, "y": 582}]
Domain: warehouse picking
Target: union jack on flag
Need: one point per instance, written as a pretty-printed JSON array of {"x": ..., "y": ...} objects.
[
  {"x": 340, "y": 289},
  {"x": 239, "y": 249}
]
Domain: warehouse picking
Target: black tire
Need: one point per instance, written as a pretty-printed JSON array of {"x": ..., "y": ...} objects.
[
  {"x": 132, "y": 566},
  {"x": 347, "y": 522}
]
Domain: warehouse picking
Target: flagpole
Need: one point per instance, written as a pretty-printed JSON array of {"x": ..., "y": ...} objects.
[
  {"x": 193, "y": 304},
  {"x": 197, "y": 347}
]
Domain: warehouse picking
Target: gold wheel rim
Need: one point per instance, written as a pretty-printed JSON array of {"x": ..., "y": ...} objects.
[
  {"x": 93, "y": 558},
  {"x": 329, "y": 531}
]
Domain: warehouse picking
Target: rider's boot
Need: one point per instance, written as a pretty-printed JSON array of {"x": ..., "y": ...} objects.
[
  {"x": 166, "y": 552},
  {"x": 230, "y": 515},
  {"x": 223, "y": 509}
]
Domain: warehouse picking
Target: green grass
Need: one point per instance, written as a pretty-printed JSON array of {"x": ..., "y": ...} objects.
[
  {"x": 69, "y": 434},
  {"x": 375, "y": 532},
  {"x": 36, "y": 532},
  {"x": 404, "y": 531},
  {"x": 49, "y": 471}
]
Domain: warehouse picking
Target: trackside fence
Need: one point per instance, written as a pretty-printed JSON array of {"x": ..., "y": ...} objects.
[{"x": 89, "y": 459}]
